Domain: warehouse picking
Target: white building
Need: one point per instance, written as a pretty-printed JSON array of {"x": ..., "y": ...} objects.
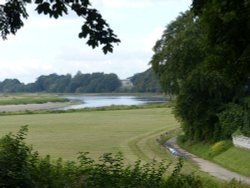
[{"x": 127, "y": 83}]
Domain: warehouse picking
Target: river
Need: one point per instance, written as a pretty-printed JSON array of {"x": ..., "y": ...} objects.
[{"x": 92, "y": 101}]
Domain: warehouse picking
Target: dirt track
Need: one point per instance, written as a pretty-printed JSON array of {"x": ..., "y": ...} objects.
[{"x": 207, "y": 166}]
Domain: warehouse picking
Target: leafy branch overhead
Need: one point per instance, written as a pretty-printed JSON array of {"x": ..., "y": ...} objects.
[{"x": 94, "y": 28}]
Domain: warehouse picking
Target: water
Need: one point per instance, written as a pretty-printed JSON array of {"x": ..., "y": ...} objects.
[{"x": 100, "y": 101}]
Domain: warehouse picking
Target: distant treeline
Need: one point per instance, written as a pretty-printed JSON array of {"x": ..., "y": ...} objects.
[
  {"x": 82, "y": 83},
  {"x": 146, "y": 82}
]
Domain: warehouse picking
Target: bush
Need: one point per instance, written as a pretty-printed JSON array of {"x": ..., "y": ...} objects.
[
  {"x": 16, "y": 161},
  {"x": 234, "y": 117},
  {"x": 230, "y": 120},
  {"x": 219, "y": 147}
]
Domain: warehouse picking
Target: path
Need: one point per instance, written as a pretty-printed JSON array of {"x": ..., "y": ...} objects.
[{"x": 207, "y": 166}]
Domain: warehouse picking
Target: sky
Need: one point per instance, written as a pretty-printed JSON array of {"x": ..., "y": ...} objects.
[{"x": 44, "y": 46}]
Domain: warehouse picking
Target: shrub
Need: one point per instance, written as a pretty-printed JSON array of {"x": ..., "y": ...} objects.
[
  {"x": 16, "y": 160},
  {"x": 230, "y": 120},
  {"x": 219, "y": 147}
]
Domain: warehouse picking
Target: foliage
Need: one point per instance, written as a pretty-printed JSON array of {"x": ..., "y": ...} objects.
[
  {"x": 146, "y": 81},
  {"x": 245, "y": 129},
  {"x": 219, "y": 147},
  {"x": 234, "y": 117},
  {"x": 231, "y": 119},
  {"x": 228, "y": 45},
  {"x": 95, "y": 28},
  {"x": 178, "y": 62},
  {"x": 177, "y": 180},
  {"x": 16, "y": 159},
  {"x": 202, "y": 61},
  {"x": 53, "y": 83},
  {"x": 177, "y": 52},
  {"x": 21, "y": 167},
  {"x": 83, "y": 83}
]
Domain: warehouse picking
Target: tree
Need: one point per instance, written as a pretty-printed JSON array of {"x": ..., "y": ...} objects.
[
  {"x": 179, "y": 50},
  {"x": 146, "y": 81},
  {"x": 109, "y": 83},
  {"x": 203, "y": 60},
  {"x": 227, "y": 26},
  {"x": 11, "y": 85},
  {"x": 53, "y": 83},
  {"x": 95, "y": 28},
  {"x": 178, "y": 61}
]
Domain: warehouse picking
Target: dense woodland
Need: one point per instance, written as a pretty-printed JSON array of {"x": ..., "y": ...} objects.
[
  {"x": 203, "y": 59},
  {"x": 88, "y": 83},
  {"x": 83, "y": 83}
]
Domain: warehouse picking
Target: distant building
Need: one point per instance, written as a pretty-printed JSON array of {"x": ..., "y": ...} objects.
[{"x": 127, "y": 83}]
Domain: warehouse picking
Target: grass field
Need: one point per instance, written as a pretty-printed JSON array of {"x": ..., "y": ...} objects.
[
  {"x": 64, "y": 135},
  {"x": 133, "y": 132},
  {"x": 235, "y": 159}
]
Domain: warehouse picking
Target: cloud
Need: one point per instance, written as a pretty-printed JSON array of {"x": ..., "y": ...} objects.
[
  {"x": 124, "y": 63},
  {"x": 46, "y": 46},
  {"x": 118, "y": 4},
  {"x": 25, "y": 69},
  {"x": 151, "y": 39}
]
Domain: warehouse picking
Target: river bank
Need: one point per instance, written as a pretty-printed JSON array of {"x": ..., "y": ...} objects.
[
  {"x": 34, "y": 107},
  {"x": 79, "y": 101}
]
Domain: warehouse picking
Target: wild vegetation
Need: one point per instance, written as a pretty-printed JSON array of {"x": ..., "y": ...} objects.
[{"x": 203, "y": 59}]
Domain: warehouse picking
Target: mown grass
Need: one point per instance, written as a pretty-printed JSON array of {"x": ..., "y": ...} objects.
[
  {"x": 133, "y": 132},
  {"x": 64, "y": 135},
  {"x": 234, "y": 159},
  {"x": 29, "y": 99}
]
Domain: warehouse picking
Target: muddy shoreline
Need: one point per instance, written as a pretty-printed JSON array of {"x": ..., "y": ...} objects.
[{"x": 34, "y": 107}]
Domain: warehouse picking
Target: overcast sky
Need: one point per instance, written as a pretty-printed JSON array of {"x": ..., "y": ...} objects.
[{"x": 44, "y": 46}]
